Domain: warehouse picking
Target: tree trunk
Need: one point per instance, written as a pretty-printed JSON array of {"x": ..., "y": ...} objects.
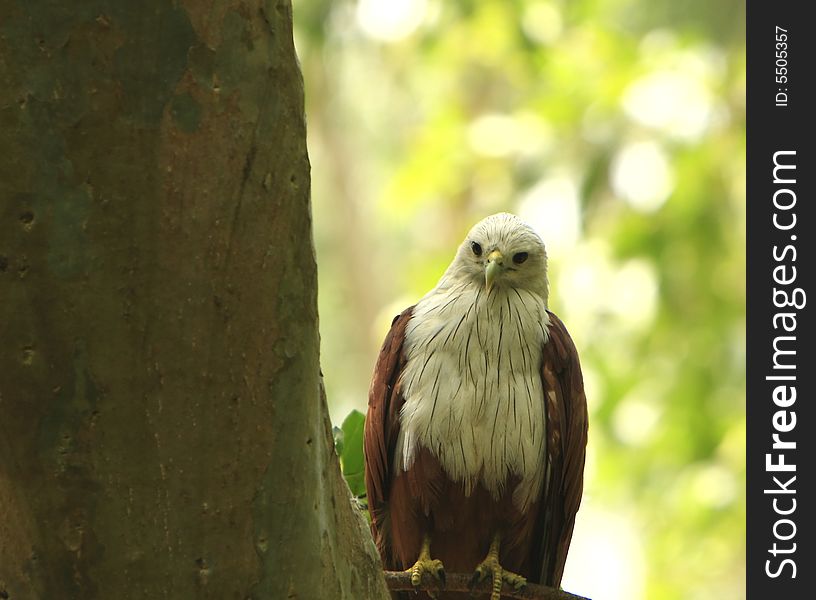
[{"x": 162, "y": 428}]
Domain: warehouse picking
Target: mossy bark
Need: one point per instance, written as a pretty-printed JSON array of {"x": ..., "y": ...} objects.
[{"x": 162, "y": 428}]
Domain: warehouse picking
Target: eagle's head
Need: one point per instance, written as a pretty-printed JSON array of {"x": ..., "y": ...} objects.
[{"x": 501, "y": 251}]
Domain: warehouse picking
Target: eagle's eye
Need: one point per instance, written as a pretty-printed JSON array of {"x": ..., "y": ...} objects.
[
  {"x": 476, "y": 247},
  {"x": 519, "y": 257}
]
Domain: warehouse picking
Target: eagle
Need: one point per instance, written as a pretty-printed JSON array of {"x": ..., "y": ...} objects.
[{"x": 476, "y": 430}]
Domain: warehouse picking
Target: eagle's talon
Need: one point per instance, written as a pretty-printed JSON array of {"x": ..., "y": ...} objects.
[
  {"x": 490, "y": 566},
  {"x": 425, "y": 564},
  {"x": 434, "y": 568},
  {"x": 478, "y": 576},
  {"x": 440, "y": 573},
  {"x": 516, "y": 581}
]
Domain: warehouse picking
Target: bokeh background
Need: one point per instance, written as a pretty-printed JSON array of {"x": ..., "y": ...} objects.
[{"x": 615, "y": 128}]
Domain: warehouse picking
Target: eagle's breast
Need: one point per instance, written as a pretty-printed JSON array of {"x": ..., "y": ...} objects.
[{"x": 472, "y": 388}]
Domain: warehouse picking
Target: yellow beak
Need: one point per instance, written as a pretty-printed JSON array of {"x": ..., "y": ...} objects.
[{"x": 494, "y": 265}]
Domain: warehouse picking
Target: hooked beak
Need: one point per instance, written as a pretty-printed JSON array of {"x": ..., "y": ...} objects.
[{"x": 493, "y": 266}]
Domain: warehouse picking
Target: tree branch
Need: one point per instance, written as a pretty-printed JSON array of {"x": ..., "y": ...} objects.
[{"x": 400, "y": 581}]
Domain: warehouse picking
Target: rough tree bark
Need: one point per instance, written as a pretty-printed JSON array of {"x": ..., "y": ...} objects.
[{"x": 162, "y": 430}]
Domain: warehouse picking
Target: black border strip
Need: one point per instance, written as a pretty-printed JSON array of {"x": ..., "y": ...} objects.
[{"x": 779, "y": 132}]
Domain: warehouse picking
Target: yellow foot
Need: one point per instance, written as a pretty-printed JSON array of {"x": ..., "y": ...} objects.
[
  {"x": 490, "y": 567},
  {"x": 425, "y": 564}
]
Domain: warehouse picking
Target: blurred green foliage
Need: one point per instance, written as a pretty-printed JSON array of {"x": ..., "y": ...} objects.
[{"x": 616, "y": 128}]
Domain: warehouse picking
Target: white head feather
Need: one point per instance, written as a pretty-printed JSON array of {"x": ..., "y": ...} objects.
[{"x": 513, "y": 238}]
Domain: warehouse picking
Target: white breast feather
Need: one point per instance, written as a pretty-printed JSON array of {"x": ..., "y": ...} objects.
[{"x": 472, "y": 388}]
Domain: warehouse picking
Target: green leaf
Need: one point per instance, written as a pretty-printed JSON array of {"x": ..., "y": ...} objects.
[{"x": 352, "y": 461}]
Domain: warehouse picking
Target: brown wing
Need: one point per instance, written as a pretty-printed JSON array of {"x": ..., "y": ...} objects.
[
  {"x": 382, "y": 428},
  {"x": 566, "y": 450}
]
